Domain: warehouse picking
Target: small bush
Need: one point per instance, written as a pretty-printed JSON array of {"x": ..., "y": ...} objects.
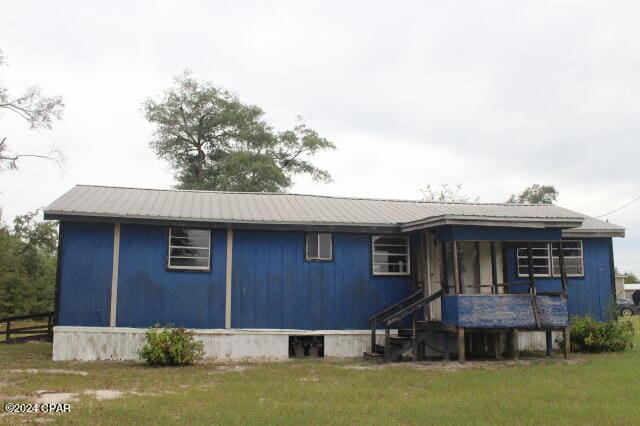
[
  {"x": 589, "y": 335},
  {"x": 171, "y": 346}
]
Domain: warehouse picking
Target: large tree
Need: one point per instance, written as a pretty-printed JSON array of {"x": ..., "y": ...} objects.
[
  {"x": 535, "y": 194},
  {"x": 38, "y": 110},
  {"x": 214, "y": 141}
]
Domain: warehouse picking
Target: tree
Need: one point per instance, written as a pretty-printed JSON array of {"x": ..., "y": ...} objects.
[
  {"x": 535, "y": 194},
  {"x": 630, "y": 277},
  {"x": 28, "y": 260},
  {"x": 445, "y": 194},
  {"x": 214, "y": 141},
  {"x": 38, "y": 110}
]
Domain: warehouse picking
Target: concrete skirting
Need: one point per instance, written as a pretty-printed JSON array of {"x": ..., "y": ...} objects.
[{"x": 120, "y": 343}]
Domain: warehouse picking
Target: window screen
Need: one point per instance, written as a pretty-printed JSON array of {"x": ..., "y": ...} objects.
[
  {"x": 390, "y": 255},
  {"x": 546, "y": 260},
  {"x": 319, "y": 246},
  {"x": 189, "y": 249}
]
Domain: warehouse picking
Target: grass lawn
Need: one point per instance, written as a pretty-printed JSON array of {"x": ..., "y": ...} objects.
[{"x": 587, "y": 389}]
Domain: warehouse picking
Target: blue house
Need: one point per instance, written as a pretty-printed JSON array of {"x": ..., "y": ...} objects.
[{"x": 259, "y": 275}]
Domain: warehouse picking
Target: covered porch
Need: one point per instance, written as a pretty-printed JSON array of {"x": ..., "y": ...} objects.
[{"x": 466, "y": 293}]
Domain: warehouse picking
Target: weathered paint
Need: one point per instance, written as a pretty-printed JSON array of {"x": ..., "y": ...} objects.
[
  {"x": 503, "y": 311},
  {"x": 274, "y": 287},
  {"x": 149, "y": 293},
  {"x": 122, "y": 343},
  {"x": 85, "y": 274},
  {"x": 588, "y": 295},
  {"x": 486, "y": 233}
]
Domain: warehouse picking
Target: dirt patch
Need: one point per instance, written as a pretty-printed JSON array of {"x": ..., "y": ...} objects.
[
  {"x": 49, "y": 371},
  {"x": 56, "y": 397},
  {"x": 45, "y": 397},
  {"x": 104, "y": 394},
  {"x": 457, "y": 366}
]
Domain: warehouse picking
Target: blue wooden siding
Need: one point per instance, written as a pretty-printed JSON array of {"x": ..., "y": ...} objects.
[
  {"x": 274, "y": 287},
  {"x": 484, "y": 233},
  {"x": 503, "y": 311},
  {"x": 85, "y": 279},
  {"x": 149, "y": 293},
  {"x": 588, "y": 295}
]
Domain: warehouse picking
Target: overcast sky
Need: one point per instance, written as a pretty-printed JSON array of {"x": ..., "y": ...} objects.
[{"x": 493, "y": 95}]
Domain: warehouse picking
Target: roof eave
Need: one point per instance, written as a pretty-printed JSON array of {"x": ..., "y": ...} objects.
[
  {"x": 511, "y": 222},
  {"x": 221, "y": 224},
  {"x": 593, "y": 233}
]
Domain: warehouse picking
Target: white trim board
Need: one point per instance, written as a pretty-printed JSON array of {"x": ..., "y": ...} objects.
[
  {"x": 114, "y": 275},
  {"x": 228, "y": 278}
]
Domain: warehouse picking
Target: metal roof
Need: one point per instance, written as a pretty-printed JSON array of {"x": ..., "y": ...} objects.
[{"x": 86, "y": 201}]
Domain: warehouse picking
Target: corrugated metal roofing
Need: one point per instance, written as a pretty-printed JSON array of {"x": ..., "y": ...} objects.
[{"x": 276, "y": 208}]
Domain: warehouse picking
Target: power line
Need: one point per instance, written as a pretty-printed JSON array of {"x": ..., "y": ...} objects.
[{"x": 619, "y": 208}]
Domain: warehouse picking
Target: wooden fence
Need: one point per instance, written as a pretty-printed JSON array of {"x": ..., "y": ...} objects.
[{"x": 42, "y": 331}]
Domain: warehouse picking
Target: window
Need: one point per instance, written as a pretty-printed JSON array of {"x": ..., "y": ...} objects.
[
  {"x": 390, "y": 255},
  {"x": 546, "y": 260},
  {"x": 540, "y": 257},
  {"x": 319, "y": 246},
  {"x": 189, "y": 249},
  {"x": 573, "y": 259}
]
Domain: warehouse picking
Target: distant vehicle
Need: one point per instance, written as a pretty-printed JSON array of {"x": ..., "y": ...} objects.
[{"x": 627, "y": 308}]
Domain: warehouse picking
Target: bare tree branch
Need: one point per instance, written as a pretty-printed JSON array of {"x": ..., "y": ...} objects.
[{"x": 39, "y": 111}]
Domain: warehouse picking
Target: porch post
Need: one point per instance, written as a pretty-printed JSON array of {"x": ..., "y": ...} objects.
[
  {"x": 567, "y": 342},
  {"x": 443, "y": 267},
  {"x": 461, "y": 354},
  {"x": 426, "y": 270},
  {"x": 456, "y": 270},
  {"x": 514, "y": 344},
  {"x": 530, "y": 266},
  {"x": 563, "y": 271},
  {"x": 549, "y": 337},
  {"x": 494, "y": 267}
]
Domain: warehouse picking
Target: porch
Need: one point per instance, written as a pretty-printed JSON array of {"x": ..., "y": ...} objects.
[{"x": 467, "y": 300}]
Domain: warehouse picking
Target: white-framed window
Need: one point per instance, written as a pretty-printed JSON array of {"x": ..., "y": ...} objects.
[
  {"x": 390, "y": 255},
  {"x": 189, "y": 249},
  {"x": 319, "y": 246},
  {"x": 546, "y": 260},
  {"x": 573, "y": 258},
  {"x": 540, "y": 258}
]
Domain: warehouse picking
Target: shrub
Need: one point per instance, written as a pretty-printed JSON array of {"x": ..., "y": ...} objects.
[
  {"x": 171, "y": 346},
  {"x": 589, "y": 335}
]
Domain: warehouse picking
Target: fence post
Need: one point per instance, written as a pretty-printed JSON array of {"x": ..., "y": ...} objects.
[
  {"x": 7, "y": 334},
  {"x": 50, "y": 326}
]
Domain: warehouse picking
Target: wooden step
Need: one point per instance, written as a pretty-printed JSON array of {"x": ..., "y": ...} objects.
[{"x": 405, "y": 332}]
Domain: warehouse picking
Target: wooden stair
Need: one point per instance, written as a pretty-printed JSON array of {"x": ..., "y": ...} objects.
[
  {"x": 395, "y": 346},
  {"x": 404, "y": 341}
]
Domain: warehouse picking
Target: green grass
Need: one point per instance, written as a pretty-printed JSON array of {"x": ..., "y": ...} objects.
[{"x": 587, "y": 389}]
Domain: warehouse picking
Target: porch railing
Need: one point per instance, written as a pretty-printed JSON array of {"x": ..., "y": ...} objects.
[{"x": 395, "y": 313}]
